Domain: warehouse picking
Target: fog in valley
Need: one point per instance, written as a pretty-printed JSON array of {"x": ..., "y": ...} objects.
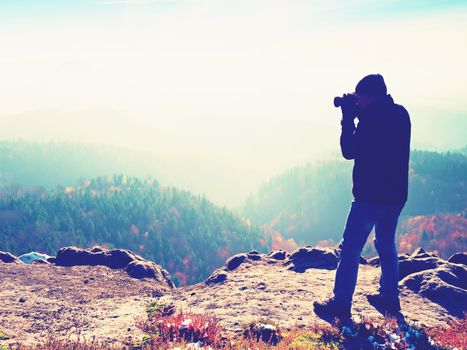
[{"x": 219, "y": 96}]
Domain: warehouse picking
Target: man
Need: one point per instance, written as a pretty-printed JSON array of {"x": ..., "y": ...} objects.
[{"x": 380, "y": 147}]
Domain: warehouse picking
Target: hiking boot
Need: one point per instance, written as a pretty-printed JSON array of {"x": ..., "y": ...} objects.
[
  {"x": 332, "y": 308},
  {"x": 391, "y": 306}
]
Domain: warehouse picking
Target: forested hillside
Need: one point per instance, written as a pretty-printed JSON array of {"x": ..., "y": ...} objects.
[
  {"x": 186, "y": 234},
  {"x": 310, "y": 203}
]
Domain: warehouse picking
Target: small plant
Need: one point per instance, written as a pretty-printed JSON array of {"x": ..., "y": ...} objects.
[
  {"x": 452, "y": 336},
  {"x": 202, "y": 329},
  {"x": 3, "y": 336},
  {"x": 264, "y": 330},
  {"x": 385, "y": 333},
  {"x": 157, "y": 309},
  {"x": 316, "y": 336},
  {"x": 52, "y": 343}
]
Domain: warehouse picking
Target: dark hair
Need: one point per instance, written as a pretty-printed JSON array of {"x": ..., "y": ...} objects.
[{"x": 372, "y": 85}]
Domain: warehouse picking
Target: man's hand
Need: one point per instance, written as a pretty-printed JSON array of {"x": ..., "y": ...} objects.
[{"x": 349, "y": 107}]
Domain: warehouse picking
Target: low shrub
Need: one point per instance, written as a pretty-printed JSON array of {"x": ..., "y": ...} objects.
[
  {"x": 454, "y": 335},
  {"x": 181, "y": 327}
]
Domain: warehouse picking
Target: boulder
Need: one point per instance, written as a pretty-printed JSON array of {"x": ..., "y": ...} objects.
[
  {"x": 40, "y": 262},
  {"x": 277, "y": 254},
  {"x": 119, "y": 258},
  {"x": 97, "y": 249},
  {"x": 458, "y": 258},
  {"x": 9, "y": 258},
  {"x": 134, "y": 265},
  {"x": 28, "y": 258},
  {"x": 73, "y": 256},
  {"x": 218, "y": 276},
  {"x": 375, "y": 261},
  {"x": 305, "y": 258},
  {"x": 445, "y": 285},
  {"x": 115, "y": 259},
  {"x": 166, "y": 277},
  {"x": 421, "y": 253},
  {"x": 254, "y": 255},
  {"x": 141, "y": 269},
  {"x": 404, "y": 256},
  {"x": 235, "y": 261},
  {"x": 147, "y": 269},
  {"x": 419, "y": 260}
]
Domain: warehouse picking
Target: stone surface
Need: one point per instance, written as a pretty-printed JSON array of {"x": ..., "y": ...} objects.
[
  {"x": 218, "y": 276},
  {"x": 234, "y": 261},
  {"x": 9, "y": 258},
  {"x": 278, "y": 254},
  {"x": 419, "y": 262},
  {"x": 445, "y": 285},
  {"x": 40, "y": 262},
  {"x": 458, "y": 258},
  {"x": 30, "y": 257},
  {"x": 306, "y": 258},
  {"x": 134, "y": 265}
]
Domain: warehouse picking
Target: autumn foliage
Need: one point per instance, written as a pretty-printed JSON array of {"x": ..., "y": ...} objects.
[{"x": 444, "y": 233}]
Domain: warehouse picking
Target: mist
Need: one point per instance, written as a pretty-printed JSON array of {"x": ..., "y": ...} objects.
[{"x": 229, "y": 93}]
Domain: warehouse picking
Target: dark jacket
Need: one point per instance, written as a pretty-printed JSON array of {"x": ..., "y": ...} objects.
[{"x": 380, "y": 147}]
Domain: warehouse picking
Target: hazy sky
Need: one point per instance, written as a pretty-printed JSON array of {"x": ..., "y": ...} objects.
[{"x": 244, "y": 81}]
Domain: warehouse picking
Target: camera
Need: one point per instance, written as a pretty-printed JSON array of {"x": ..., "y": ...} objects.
[{"x": 350, "y": 99}]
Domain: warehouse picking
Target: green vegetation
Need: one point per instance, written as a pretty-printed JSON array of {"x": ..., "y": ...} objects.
[
  {"x": 188, "y": 330},
  {"x": 310, "y": 203},
  {"x": 157, "y": 308},
  {"x": 3, "y": 336},
  {"x": 307, "y": 203},
  {"x": 186, "y": 234}
]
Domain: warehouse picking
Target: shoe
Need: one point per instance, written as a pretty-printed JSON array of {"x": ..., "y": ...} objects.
[
  {"x": 391, "y": 306},
  {"x": 333, "y": 308}
]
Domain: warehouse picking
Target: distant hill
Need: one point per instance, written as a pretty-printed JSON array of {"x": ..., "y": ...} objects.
[
  {"x": 310, "y": 203},
  {"x": 49, "y": 164},
  {"x": 185, "y": 233}
]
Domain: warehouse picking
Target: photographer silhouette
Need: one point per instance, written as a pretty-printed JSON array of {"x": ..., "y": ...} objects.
[{"x": 380, "y": 146}]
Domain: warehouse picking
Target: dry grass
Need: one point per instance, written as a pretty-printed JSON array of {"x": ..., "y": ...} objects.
[
  {"x": 452, "y": 336},
  {"x": 187, "y": 330}
]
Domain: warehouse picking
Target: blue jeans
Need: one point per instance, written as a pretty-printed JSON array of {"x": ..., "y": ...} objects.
[{"x": 360, "y": 221}]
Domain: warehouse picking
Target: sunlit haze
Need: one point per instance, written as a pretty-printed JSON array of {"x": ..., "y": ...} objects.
[{"x": 244, "y": 87}]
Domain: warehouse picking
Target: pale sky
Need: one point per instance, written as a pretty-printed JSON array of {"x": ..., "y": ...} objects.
[{"x": 245, "y": 81}]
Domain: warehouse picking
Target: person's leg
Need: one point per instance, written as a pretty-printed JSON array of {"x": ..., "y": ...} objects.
[
  {"x": 360, "y": 222},
  {"x": 385, "y": 243}
]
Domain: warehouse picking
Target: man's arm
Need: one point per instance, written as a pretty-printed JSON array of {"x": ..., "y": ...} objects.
[
  {"x": 348, "y": 138},
  {"x": 349, "y": 113}
]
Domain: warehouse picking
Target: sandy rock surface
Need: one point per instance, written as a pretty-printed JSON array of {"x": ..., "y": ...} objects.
[
  {"x": 94, "y": 300},
  {"x": 103, "y": 302},
  {"x": 268, "y": 288}
]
